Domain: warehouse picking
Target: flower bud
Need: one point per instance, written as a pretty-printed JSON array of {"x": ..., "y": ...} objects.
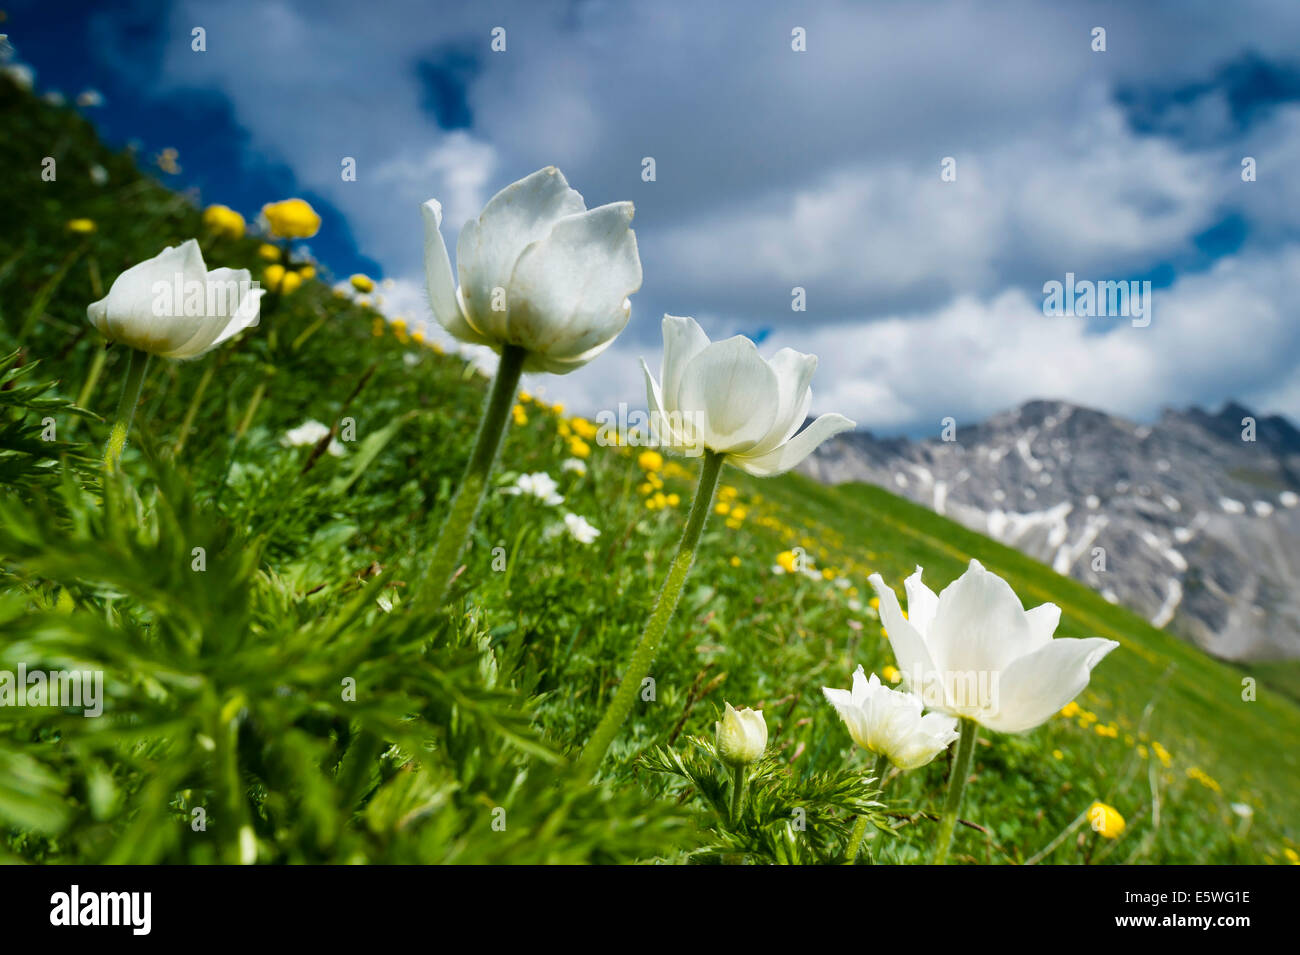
[{"x": 741, "y": 736}]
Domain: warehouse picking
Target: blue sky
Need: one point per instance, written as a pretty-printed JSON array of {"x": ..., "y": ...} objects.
[{"x": 777, "y": 168}]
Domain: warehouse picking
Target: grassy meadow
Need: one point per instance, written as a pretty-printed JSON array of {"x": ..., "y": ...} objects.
[{"x": 284, "y": 694}]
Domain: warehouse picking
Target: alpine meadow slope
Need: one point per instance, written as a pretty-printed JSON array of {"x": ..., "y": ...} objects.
[{"x": 276, "y": 690}]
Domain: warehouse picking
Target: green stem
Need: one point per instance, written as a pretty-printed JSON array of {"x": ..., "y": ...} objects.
[
  {"x": 961, "y": 765},
  {"x": 860, "y": 828},
  {"x": 188, "y": 421},
  {"x": 465, "y": 502},
  {"x": 643, "y": 656},
  {"x": 135, "y": 369},
  {"x": 739, "y": 777}
]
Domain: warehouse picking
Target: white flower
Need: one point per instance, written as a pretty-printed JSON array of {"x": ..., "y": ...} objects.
[
  {"x": 576, "y": 465},
  {"x": 98, "y": 174},
  {"x": 90, "y": 97},
  {"x": 309, "y": 433},
  {"x": 724, "y": 396},
  {"x": 536, "y": 269},
  {"x": 579, "y": 529},
  {"x": 889, "y": 723},
  {"x": 172, "y": 306},
  {"x": 741, "y": 736},
  {"x": 974, "y": 650},
  {"x": 20, "y": 73},
  {"x": 539, "y": 485}
]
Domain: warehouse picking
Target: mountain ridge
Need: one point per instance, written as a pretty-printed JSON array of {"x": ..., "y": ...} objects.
[{"x": 1192, "y": 521}]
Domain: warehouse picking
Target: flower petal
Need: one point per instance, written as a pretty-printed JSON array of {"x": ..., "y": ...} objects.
[
  {"x": 569, "y": 291},
  {"x": 794, "y": 371},
  {"x": 683, "y": 340},
  {"x": 1037, "y": 685},
  {"x": 488, "y": 249},
  {"x": 979, "y": 626},
  {"x": 910, "y": 651},
  {"x": 662, "y": 422},
  {"x": 236, "y": 308},
  {"x": 788, "y": 455},
  {"x": 441, "y": 284},
  {"x": 922, "y": 603},
  {"x": 1043, "y": 621},
  {"x": 734, "y": 393}
]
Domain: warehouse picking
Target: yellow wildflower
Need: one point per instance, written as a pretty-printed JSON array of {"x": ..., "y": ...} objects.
[
  {"x": 892, "y": 674},
  {"x": 1204, "y": 779},
  {"x": 223, "y": 221},
  {"x": 81, "y": 226},
  {"x": 650, "y": 460},
  {"x": 579, "y": 448},
  {"x": 292, "y": 219},
  {"x": 1105, "y": 820},
  {"x": 269, "y": 252},
  {"x": 1070, "y": 710},
  {"x": 362, "y": 283},
  {"x": 1162, "y": 754}
]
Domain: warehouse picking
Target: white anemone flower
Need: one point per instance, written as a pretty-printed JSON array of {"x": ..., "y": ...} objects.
[
  {"x": 974, "y": 651},
  {"x": 537, "y": 269},
  {"x": 579, "y": 529},
  {"x": 173, "y": 307},
  {"x": 725, "y": 397},
  {"x": 309, "y": 433},
  {"x": 889, "y": 723},
  {"x": 539, "y": 485}
]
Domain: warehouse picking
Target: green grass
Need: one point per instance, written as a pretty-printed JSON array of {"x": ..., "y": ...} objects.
[{"x": 228, "y": 687}]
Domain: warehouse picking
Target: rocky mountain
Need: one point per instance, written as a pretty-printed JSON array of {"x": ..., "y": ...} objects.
[{"x": 1193, "y": 521}]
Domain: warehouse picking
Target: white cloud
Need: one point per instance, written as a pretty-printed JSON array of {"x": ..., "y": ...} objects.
[
  {"x": 1210, "y": 333},
  {"x": 821, "y": 170}
]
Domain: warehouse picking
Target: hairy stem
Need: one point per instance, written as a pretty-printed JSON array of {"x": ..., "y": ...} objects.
[
  {"x": 643, "y": 656},
  {"x": 739, "y": 778},
  {"x": 860, "y": 828},
  {"x": 135, "y": 369},
  {"x": 961, "y": 765},
  {"x": 465, "y": 502}
]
